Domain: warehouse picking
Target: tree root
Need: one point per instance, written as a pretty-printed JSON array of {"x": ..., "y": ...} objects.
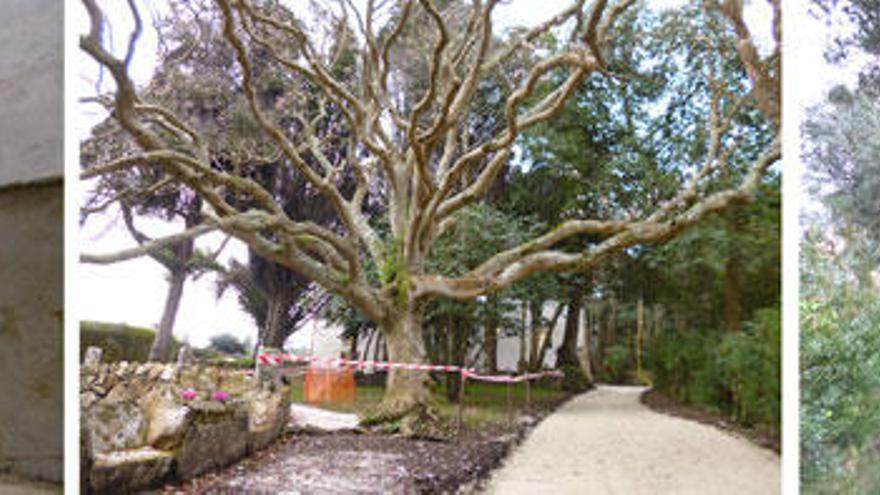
[{"x": 410, "y": 418}]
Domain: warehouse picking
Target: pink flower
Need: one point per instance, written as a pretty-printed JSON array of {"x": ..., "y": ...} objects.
[
  {"x": 220, "y": 396},
  {"x": 189, "y": 394}
]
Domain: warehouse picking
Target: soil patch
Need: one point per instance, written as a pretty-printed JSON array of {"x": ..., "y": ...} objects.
[
  {"x": 660, "y": 402},
  {"x": 368, "y": 463}
]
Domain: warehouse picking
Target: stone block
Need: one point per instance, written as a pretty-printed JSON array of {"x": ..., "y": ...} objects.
[
  {"x": 217, "y": 437},
  {"x": 130, "y": 471}
]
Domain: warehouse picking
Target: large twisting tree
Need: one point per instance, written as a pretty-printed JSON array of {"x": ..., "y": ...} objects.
[{"x": 397, "y": 168}]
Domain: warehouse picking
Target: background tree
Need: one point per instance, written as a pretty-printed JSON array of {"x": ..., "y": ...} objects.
[
  {"x": 274, "y": 296},
  {"x": 415, "y": 164},
  {"x": 227, "y": 343},
  {"x": 839, "y": 312}
]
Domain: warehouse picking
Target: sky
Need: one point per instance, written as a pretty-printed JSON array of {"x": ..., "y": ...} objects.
[{"x": 134, "y": 291}]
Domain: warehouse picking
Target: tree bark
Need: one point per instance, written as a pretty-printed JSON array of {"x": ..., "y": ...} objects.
[
  {"x": 523, "y": 363},
  {"x": 407, "y": 396},
  {"x": 640, "y": 334},
  {"x": 733, "y": 292},
  {"x": 733, "y": 279},
  {"x": 547, "y": 342},
  {"x": 160, "y": 351},
  {"x": 490, "y": 338},
  {"x": 536, "y": 309},
  {"x": 273, "y": 335},
  {"x": 588, "y": 341},
  {"x": 457, "y": 355},
  {"x": 612, "y": 322},
  {"x": 566, "y": 356}
]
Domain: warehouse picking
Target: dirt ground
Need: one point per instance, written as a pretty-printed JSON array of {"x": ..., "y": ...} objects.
[
  {"x": 369, "y": 463},
  {"x": 663, "y": 404},
  {"x": 607, "y": 441},
  {"x": 12, "y": 485}
]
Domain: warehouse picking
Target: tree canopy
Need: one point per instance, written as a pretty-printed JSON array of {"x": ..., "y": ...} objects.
[{"x": 395, "y": 136}]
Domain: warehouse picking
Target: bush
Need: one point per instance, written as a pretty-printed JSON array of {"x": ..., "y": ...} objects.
[
  {"x": 616, "y": 363},
  {"x": 574, "y": 380},
  {"x": 737, "y": 374},
  {"x": 118, "y": 341},
  {"x": 840, "y": 391}
]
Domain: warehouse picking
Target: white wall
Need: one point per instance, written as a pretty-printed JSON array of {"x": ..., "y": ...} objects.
[
  {"x": 31, "y": 331},
  {"x": 509, "y": 346},
  {"x": 31, "y": 243},
  {"x": 30, "y": 90}
]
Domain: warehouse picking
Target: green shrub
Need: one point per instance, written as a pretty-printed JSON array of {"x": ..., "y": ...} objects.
[
  {"x": 118, "y": 341},
  {"x": 616, "y": 363},
  {"x": 574, "y": 379},
  {"x": 737, "y": 374},
  {"x": 840, "y": 393}
]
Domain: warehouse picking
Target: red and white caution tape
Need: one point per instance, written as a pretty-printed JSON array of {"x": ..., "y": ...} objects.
[
  {"x": 510, "y": 378},
  {"x": 279, "y": 359}
]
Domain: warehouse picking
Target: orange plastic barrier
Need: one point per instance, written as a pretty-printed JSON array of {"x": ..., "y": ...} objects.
[{"x": 329, "y": 385}]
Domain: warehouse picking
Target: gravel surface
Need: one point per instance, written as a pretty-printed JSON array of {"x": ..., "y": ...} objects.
[
  {"x": 608, "y": 442},
  {"x": 344, "y": 461}
]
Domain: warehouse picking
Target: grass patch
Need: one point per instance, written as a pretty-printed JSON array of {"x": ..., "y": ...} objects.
[{"x": 485, "y": 403}]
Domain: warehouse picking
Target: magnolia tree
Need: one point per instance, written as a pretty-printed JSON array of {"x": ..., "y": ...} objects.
[{"x": 396, "y": 169}]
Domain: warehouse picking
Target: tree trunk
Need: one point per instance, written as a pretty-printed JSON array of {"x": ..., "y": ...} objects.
[
  {"x": 457, "y": 356},
  {"x": 601, "y": 334},
  {"x": 371, "y": 336},
  {"x": 536, "y": 309},
  {"x": 588, "y": 341},
  {"x": 523, "y": 350},
  {"x": 407, "y": 396},
  {"x": 161, "y": 348},
  {"x": 490, "y": 339},
  {"x": 640, "y": 335},
  {"x": 612, "y": 321},
  {"x": 353, "y": 349},
  {"x": 547, "y": 342},
  {"x": 733, "y": 293},
  {"x": 566, "y": 356},
  {"x": 273, "y": 335}
]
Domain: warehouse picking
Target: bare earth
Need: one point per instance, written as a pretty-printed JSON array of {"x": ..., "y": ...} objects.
[
  {"x": 607, "y": 442},
  {"x": 11, "y": 485}
]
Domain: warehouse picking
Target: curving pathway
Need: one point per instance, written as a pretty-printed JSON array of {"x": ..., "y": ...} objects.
[{"x": 607, "y": 442}]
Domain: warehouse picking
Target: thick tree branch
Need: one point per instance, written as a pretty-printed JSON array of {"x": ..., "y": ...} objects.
[{"x": 513, "y": 265}]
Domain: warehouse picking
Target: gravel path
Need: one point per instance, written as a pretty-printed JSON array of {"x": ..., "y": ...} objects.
[{"x": 607, "y": 442}]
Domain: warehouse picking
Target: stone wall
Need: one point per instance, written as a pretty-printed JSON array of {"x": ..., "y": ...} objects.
[
  {"x": 31, "y": 330},
  {"x": 145, "y": 424}
]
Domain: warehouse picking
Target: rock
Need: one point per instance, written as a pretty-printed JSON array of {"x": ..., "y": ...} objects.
[
  {"x": 167, "y": 418},
  {"x": 119, "y": 426},
  {"x": 134, "y": 418},
  {"x": 93, "y": 357},
  {"x": 130, "y": 471},
  {"x": 184, "y": 356},
  {"x": 214, "y": 440},
  {"x": 306, "y": 417},
  {"x": 166, "y": 374},
  {"x": 87, "y": 398},
  {"x": 267, "y": 416},
  {"x": 526, "y": 420}
]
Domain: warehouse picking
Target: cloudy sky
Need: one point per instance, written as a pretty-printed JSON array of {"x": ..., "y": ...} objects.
[{"x": 134, "y": 291}]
